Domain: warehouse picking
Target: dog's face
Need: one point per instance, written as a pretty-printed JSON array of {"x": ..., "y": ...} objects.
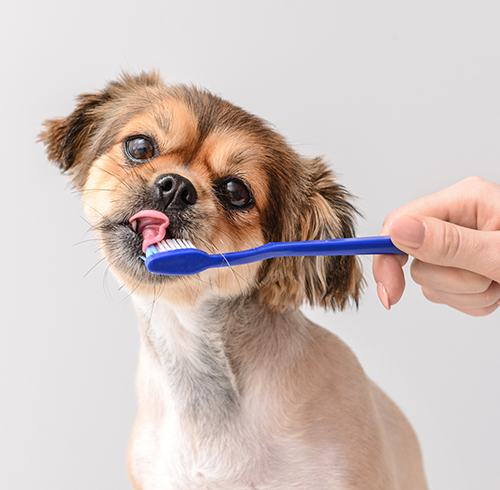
[{"x": 224, "y": 179}]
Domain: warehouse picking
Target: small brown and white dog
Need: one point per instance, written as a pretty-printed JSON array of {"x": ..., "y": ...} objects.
[{"x": 237, "y": 389}]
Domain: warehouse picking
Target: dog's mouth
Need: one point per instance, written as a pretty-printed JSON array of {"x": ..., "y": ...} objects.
[{"x": 151, "y": 225}]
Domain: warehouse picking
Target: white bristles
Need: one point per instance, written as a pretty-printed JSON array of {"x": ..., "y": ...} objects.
[
  {"x": 173, "y": 244},
  {"x": 160, "y": 246}
]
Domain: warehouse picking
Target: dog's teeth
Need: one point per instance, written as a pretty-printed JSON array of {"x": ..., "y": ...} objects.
[{"x": 133, "y": 224}]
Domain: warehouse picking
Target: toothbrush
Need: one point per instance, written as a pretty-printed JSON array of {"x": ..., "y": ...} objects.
[{"x": 182, "y": 258}]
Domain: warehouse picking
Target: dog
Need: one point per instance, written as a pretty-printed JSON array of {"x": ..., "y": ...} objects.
[{"x": 237, "y": 389}]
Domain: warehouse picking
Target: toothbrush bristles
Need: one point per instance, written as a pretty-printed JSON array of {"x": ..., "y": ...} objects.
[{"x": 173, "y": 244}]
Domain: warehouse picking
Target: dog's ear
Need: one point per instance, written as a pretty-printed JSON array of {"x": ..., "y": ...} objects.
[
  {"x": 68, "y": 140},
  {"x": 324, "y": 212},
  {"x": 74, "y": 142}
]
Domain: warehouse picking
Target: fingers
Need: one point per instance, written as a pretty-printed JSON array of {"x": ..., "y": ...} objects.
[
  {"x": 479, "y": 311},
  {"x": 456, "y": 234},
  {"x": 476, "y": 304},
  {"x": 463, "y": 290},
  {"x": 388, "y": 273},
  {"x": 441, "y": 243},
  {"x": 448, "y": 279},
  {"x": 454, "y": 265}
]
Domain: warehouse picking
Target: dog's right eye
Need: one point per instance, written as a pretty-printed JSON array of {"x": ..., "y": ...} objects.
[{"x": 139, "y": 148}]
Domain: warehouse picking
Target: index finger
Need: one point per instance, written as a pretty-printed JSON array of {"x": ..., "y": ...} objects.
[
  {"x": 441, "y": 243},
  {"x": 472, "y": 203}
]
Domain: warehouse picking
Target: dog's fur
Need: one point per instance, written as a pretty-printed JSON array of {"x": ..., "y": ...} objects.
[{"x": 237, "y": 389}]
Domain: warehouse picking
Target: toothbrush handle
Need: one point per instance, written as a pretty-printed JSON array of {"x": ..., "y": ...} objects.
[
  {"x": 192, "y": 261},
  {"x": 378, "y": 245},
  {"x": 375, "y": 245}
]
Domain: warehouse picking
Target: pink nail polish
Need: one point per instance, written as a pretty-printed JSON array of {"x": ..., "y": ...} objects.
[{"x": 382, "y": 294}]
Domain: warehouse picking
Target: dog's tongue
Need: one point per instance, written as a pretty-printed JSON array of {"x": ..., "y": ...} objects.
[{"x": 152, "y": 225}]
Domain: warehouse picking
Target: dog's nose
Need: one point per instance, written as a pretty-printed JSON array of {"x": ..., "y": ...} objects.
[{"x": 175, "y": 190}]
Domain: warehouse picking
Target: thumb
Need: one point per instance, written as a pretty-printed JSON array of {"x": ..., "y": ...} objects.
[{"x": 438, "y": 242}]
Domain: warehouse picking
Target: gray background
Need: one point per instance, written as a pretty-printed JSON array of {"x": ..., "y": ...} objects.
[{"x": 401, "y": 97}]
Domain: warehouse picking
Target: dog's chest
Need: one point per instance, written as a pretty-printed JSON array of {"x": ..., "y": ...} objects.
[
  {"x": 239, "y": 459},
  {"x": 166, "y": 458}
]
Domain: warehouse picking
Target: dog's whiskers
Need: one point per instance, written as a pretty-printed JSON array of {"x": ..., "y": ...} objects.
[
  {"x": 83, "y": 191},
  {"x": 88, "y": 240},
  {"x": 156, "y": 296},
  {"x": 233, "y": 237},
  {"x": 94, "y": 209},
  {"x": 120, "y": 179},
  {"x": 130, "y": 293},
  {"x": 91, "y": 226},
  {"x": 237, "y": 276},
  {"x": 93, "y": 267},
  {"x": 105, "y": 283}
]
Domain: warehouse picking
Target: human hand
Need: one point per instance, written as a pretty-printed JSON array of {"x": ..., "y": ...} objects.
[{"x": 454, "y": 237}]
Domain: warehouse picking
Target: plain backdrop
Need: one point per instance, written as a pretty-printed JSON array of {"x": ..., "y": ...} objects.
[{"x": 402, "y": 98}]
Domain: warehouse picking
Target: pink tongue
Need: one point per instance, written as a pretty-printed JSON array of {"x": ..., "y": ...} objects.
[{"x": 152, "y": 225}]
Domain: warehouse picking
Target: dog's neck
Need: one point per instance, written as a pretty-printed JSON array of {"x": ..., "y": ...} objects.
[
  {"x": 204, "y": 354},
  {"x": 187, "y": 344}
]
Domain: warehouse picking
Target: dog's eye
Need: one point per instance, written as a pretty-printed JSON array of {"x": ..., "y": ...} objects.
[
  {"x": 235, "y": 193},
  {"x": 139, "y": 148}
]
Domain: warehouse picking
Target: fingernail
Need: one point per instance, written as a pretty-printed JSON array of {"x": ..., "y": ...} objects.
[
  {"x": 408, "y": 232},
  {"x": 384, "y": 297}
]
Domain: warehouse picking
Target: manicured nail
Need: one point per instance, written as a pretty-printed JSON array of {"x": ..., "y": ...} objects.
[
  {"x": 382, "y": 294},
  {"x": 408, "y": 232}
]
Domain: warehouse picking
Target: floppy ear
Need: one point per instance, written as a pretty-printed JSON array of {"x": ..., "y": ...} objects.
[
  {"x": 324, "y": 212},
  {"x": 67, "y": 140}
]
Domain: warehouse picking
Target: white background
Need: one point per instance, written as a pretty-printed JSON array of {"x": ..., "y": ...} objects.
[{"x": 403, "y": 98}]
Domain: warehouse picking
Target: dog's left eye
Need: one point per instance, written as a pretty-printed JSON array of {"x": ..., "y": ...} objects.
[
  {"x": 235, "y": 193},
  {"x": 139, "y": 148}
]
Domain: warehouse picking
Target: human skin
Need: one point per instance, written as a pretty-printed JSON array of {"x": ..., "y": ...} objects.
[{"x": 454, "y": 239}]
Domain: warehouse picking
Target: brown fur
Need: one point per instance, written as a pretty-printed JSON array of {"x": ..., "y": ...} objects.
[{"x": 319, "y": 207}]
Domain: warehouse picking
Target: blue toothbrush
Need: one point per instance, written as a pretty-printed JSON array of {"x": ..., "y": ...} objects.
[{"x": 182, "y": 258}]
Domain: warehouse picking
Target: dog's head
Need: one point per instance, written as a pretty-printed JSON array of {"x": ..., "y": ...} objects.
[{"x": 225, "y": 180}]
